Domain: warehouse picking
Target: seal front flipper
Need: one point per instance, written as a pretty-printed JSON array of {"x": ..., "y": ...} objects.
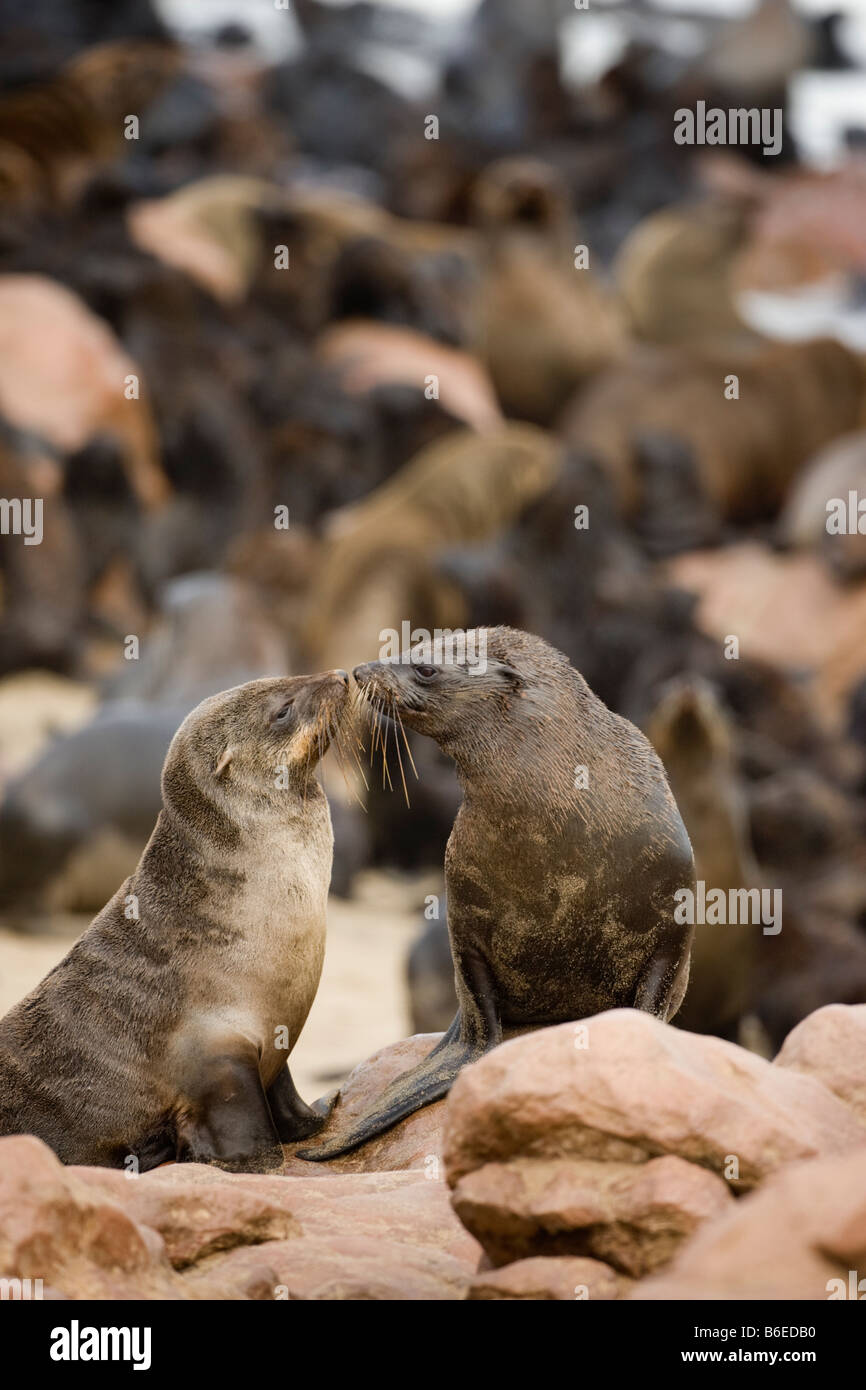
[
  {"x": 474, "y": 1031},
  {"x": 664, "y": 981},
  {"x": 292, "y": 1117},
  {"x": 228, "y": 1120}
]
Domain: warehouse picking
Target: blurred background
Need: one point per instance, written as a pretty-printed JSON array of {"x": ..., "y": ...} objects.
[{"x": 321, "y": 318}]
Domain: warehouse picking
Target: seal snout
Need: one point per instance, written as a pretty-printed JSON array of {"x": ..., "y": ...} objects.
[{"x": 374, "y": 680}]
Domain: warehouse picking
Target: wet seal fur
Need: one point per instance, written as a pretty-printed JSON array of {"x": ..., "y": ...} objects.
[
  {"x": 560, "y": 900},
  {"x": 158, "y": 1035}
]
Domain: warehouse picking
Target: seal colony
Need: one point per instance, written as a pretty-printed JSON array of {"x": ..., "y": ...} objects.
[
  {"x": 563, "y": 862},
  {"x": 165, "y": 1031}
]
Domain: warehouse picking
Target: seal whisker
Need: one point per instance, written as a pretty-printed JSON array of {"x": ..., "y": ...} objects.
[
  {"x": 406, "y": 742},
  {"x": 386, "y": 771},
  {"x": 400, "y": 764}
]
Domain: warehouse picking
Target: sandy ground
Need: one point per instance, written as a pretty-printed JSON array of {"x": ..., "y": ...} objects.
[
  {"x": 361, "y": 1004},
  {"x": 35, "y": 705}
]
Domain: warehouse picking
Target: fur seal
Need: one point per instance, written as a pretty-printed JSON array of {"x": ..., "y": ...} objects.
[
  {"x": 694, "y": 736},
  {"x": 544, "y": 326},
  {"x": 560, "y": 900},
  {"x": 834, "y": 473},
  {"x": 793, "y": 399},
  {"x": 160, "y": 1034}
]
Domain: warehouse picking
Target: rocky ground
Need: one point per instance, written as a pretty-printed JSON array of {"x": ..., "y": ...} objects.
[{"x": 615, "y": 1158}]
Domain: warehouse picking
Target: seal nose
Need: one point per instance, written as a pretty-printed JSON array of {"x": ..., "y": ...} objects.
[
  {"x": 341, "y": 675},
  {"x": 361, "y": 673}
]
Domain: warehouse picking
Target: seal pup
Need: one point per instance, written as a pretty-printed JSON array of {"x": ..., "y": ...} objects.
[
  {"x": 563, "y": 862},
  {"x": 165, "y": 1031}
]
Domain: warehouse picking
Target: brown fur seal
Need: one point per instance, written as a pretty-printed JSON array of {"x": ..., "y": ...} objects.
[
  {"x": 673, "y": 273},
  {"x": 793, "y": 399},
  {"x": 560, "y": 900},
  {"x": 544, "y": 326},
  {"x": 380, "y": 561},
  {"x": 164, "y": 1032},
  {"x": 823, "y": 488},
  {"x": 693, "y": 735}
]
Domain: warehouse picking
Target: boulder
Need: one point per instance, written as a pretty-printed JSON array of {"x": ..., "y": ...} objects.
[
  {"x": 200, "y": 1211},
  {"x": 363, "y": 1267},
  {"x": 625, "y": 1087},
  {"x": 76, "y": 391},
  {"x": 549, "y": 1277},
  {"x": 801, "y": 1236},
  {"x": 80, "y": 1243},
  {"x": 633, "y": 1217},
  {"x": 830, "y": 1045}
]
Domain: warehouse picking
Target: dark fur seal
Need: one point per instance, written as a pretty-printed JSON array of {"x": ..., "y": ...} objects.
[
  {"x": 560, "y": 900},
  {"x": 159, "y": 1034}
]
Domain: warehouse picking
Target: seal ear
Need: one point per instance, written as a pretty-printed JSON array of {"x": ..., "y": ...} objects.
[{"x": 225, "y": 758}]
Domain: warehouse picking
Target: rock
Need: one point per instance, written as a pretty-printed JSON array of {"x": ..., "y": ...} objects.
[
  {"x": 368, "y": 1267},
  {"x": 409, "y": 1209},
  {"x": 76, "y": 390},
  {"x": 414, "y": 1143},
  {"x": 56, "y": 1228},
  {"x": 549, "y": 1277},
  {"x": 805, "y": 1228},
  {"x": 634, "y": 1217},
  {"x": 367, "y": 354},
  {"x": 201, "y": 1211},
  {"x": 639, "y": 1089},
  {"x": 198, "y": 1210},
  {"x": 830, "y": 1045},
  {"x": 785, "y": 609}
]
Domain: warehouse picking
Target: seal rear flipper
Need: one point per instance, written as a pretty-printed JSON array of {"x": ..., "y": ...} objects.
[
  {"x": 228, "y": 1122},
  {"x": 430, "y": 1080},
  {"x": 293, "y": 1118}
]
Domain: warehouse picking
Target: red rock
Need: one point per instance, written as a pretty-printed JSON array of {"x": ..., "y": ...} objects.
[
  {"x": 56, "y": 1228},
  {"x": 367, "y": 354},
  {"x": 639, "y": 1089},
  {"x": 798, "y": 1237},
  {"x": 199, "y": 1211},
  {"x": 785, "y": 609},
  {"x": 549, "y": 1277},
  {"x": 368, "y": 1267},
  {"x": 76, "y": 390},
  {"x": 633, "y": 1217},
  {"x": 830, "y": 1045},
  {"x": 196, "y": 1209}
]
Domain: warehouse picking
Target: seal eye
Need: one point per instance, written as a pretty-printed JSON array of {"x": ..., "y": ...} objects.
[
  {"x": 282, "y": 713},
  {"x": 425, "y": 672}
]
